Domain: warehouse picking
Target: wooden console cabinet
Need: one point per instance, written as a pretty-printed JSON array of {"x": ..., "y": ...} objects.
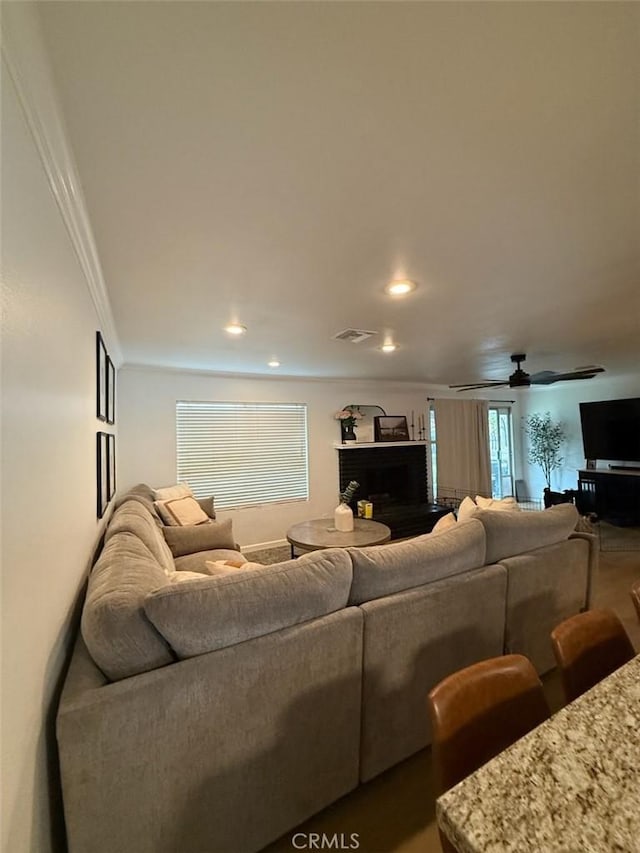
[{"x": 613, "y": 495}]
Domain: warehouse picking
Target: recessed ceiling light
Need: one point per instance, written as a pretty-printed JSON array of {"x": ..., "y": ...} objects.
[
  {"x": 235, "y": 329},
  {"x": 274, "y": 363},
  {"x": 389, "y": 347},
  {"x": 400, "y": 287}
]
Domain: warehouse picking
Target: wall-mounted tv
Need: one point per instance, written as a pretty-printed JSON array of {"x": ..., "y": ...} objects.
[{"x": 611, "y": 429}]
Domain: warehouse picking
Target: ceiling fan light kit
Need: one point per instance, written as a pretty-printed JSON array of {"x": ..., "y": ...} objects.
[{"x": 521, "y": 379}]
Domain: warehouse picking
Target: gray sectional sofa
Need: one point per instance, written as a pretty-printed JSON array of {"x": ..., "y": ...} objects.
[{"x": 215, "y": 714}]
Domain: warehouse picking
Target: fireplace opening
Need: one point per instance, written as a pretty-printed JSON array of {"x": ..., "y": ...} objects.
[{"x": 391, "y": 485}]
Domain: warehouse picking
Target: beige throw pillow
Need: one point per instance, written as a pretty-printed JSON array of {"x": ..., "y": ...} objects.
[
  {"x": 165, "y": 515},
  {"x": 223, "y": 567},
  {"x": 444, "y": 523},
  {"x": 186, "y": 511},
  {"x": 169, "y": 493},
  {"x": 180, "y": 577},
  {"x": 508, "y": 504},
  {"x": 467, "y": 509}
]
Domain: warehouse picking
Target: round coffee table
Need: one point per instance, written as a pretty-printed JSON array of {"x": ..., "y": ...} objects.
[{"x": 320, "y": 533}]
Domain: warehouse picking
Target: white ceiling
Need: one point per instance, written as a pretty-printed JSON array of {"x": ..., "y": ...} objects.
[{"x": 277, "y": 163}]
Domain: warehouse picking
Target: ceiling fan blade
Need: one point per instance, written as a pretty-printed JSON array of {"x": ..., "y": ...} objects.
[
  {"x": 479, "y": 385},
  {"x": 548, "y": 377}
]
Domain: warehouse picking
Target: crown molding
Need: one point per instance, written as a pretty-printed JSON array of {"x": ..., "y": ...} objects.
[{"x": 27, "y": 65}]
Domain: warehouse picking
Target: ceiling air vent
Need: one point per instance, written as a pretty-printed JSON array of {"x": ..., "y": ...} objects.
[{"x": 354, "y": 336}]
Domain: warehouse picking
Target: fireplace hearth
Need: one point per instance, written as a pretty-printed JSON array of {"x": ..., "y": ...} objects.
[{"x": 394, "y": 479}]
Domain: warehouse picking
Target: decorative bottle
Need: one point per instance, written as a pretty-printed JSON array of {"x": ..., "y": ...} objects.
[
  {"x": 343, "y": 518},
  {"x": 343, "y": 514}
]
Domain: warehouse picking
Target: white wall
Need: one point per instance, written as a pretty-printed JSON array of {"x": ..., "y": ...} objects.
[
  {"x": 49, "y": 526},
  {"x": 147, "y": 434},
  {"x": 562, "y": 401}
]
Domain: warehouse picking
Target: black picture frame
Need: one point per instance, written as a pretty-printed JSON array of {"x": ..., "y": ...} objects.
[
  {"x": 101, "y": 378},
  {"x": 111, "y": 391},
  {"x": 102, "y": 473},
  {"x": 111, "y": 465},
  {"x": 391, "y": 428}
]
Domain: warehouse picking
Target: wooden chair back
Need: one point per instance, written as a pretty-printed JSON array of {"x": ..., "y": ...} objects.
[
  {"x": 479, "y": 711},
  {"x": 588, "y": 647}
]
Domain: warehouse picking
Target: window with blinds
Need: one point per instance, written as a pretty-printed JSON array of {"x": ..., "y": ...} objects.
[{"x": 243, "y": 453}]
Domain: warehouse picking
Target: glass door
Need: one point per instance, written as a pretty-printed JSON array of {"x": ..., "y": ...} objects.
[{"x": 501, "y": 450}]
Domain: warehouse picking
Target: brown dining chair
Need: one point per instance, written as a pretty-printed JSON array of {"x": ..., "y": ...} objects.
[
  {"x": 634, "y": 592},
  {"x": 477, "y": 712},
  {"x": 588, "y": 647}
]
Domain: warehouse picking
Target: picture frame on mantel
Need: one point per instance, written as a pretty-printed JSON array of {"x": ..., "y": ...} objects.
[
  {"x": 101, "y": 378},
  {"x": 391, "y": 428}
]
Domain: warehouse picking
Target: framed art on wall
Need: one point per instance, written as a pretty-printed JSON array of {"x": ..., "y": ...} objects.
[
  {"x": 111, "y": 465},
  {"x": 391, "y": 428},
  {"x": 101, "y": 378},
  {"x": 102, "y": 472},
  {"x": 111, "y": 392}
]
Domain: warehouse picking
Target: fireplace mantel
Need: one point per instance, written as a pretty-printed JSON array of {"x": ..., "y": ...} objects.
[{"x": 378, "y": 445}]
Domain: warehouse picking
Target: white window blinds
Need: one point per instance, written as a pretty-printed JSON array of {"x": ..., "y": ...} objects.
[{"x": 243, "y": 453}]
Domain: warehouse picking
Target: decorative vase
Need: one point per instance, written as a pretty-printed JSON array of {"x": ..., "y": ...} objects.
[
  {"x": 348, "y": 435},
  {"x": 343, "y": 518}
]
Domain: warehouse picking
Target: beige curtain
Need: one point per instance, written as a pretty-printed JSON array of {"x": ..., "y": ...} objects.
[{"x": 462, "y": 447}]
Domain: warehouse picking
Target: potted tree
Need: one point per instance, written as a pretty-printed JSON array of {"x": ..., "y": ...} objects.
[{"x": 545, "y": 440}]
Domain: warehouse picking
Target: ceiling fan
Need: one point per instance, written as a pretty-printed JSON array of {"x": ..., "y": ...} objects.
[{"x": 521, "y": 379}]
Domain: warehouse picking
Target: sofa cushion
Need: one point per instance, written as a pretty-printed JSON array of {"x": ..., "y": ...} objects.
[
  {"x": 200, "y": 537},
  {"x": 115, "y": 629},
  {"x": 134, "y": 517},
  {"x": 384, "y": 569},
  {"x": 215, "y": 612},
  {"x": 196, "y": 562},
  {"x": 511, "y": 533}
]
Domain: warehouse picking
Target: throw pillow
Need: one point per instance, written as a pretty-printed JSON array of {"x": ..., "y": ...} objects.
[
  {"x": 200, "y": 537},
  {"x": 168, "y": 493},
  {"x": 223, "y": 567},
  {"x": 165, "y": 515},
  {"x": 467, "y": 509},
  {"x": 179, "y": 577},
  {"x": 483, "y": 503},
  {"x": 207, "y": 505},
  {"x": 186, "y": 511},
  {"x": 508, "y": 504},
  {"x": 444, "y": 523}
]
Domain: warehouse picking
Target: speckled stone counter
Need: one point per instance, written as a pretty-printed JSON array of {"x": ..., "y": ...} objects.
[{"x": 571, "y": 785}]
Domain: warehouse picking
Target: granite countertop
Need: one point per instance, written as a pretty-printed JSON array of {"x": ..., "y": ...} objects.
[{"x": 571, "y": 785}]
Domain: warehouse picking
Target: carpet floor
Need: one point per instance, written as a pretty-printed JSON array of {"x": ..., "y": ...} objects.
[{"x": 395, "y": 813}]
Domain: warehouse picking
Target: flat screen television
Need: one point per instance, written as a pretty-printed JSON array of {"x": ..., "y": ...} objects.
[{"x": 611, "y": 429}]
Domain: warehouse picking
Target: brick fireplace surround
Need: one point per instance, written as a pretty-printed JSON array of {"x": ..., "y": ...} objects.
[{"x": 394, "y": 477}]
